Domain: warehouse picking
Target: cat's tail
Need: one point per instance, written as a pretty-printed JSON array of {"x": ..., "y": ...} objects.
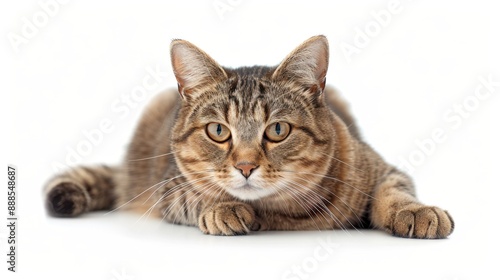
[{"x": 80, "y": 190}]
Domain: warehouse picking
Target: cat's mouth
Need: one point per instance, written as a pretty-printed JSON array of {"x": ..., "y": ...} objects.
[
  {"x": 247, "y": 187},
  {"x": 248, "y": 191}
]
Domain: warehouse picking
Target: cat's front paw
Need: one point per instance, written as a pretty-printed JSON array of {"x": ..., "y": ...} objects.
[
  {"x": 227, "y": 219},
  {"x": 419, "y": 221},
  {"x": 67, "y": 199}
]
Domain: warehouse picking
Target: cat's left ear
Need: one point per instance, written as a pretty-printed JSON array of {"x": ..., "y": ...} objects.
[
  {"x": 193, "y": 68},
  {"x": 306, "y": 65}
]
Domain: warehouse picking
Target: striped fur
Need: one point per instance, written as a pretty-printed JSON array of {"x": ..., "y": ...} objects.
[{"x": 321, "y": 176}]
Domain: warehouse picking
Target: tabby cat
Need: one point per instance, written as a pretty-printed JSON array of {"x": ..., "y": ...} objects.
[{"x": 253, "y": 148}]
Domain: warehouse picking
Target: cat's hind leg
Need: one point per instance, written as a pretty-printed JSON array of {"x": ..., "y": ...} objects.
[{"x": 80, "y": 190}]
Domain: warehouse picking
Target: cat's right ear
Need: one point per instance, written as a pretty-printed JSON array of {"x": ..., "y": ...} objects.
[{"x": 193, "y": 68}]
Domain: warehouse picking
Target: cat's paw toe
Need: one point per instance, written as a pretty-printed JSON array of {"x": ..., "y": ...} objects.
[
  {"x": 66, "y": 200},
  {"x": 227, "y": 219},
  {"x": 422, "y": 222}
]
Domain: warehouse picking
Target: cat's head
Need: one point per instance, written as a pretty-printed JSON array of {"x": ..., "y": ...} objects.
[{"x": 253, "y": 131}]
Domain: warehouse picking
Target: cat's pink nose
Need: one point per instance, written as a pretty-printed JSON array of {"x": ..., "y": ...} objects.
[{"x": 246, "y": 168}]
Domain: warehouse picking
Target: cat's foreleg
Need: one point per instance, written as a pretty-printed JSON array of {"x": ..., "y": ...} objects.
[
  {"x": 395, "y": 209},
  {"x": 81, "y": 189}
]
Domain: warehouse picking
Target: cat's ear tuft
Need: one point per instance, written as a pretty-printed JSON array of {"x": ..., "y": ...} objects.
[
  {"x": 307, "y": 64},
  {"x": 193, "y": 68}
]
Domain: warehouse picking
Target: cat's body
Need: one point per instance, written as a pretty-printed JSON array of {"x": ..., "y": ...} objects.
[{"x": 254, "y": 148}]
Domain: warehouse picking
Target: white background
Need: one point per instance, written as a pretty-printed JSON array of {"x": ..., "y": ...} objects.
[{"x": 402, "y": 83}]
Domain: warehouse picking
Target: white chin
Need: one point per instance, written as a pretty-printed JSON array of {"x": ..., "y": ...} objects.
[{"x": 249, "y": 193}]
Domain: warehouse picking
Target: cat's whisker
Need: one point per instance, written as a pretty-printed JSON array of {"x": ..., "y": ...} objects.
[
  {"x": 186, "y": 205},
  {"x": 135, "y": 197},
  {"x": 314, "y": 201},
  {"x": 297, "y": 199},
  {"x": 152, "y": 157},
  {"x": 173, "y": 178},
  {"x": 315, "y": 207},
  {"x": 203, "y": 189},
  {"x": 345, "y": 163},
  {"x": 332, "y": 178},
  {"x": 151, "y": 195},
  {"x": 171, "y": 191},
  {"x": 217, "y": 197},
  {"x": 277, "y": 189},
  {"x": 197, "y": 200},
  {"x": 178, "y": 187},
  {"x": 148, "y": 212},
  {"x": 167, "y": 211},
  {"x": 322, "y": 199},
  {"x": 163, "y": 182},
  {"x": 352, "y": 210}
]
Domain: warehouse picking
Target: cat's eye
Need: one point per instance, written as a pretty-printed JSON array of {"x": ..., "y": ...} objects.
[
  {"x": 218, "y": 132},
  {"x": 277, "y": 131}
]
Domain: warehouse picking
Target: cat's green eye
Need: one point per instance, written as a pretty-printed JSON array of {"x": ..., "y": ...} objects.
[
  {"x": 277, "y": 131},
  {"x": 218, "y": 132}
]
